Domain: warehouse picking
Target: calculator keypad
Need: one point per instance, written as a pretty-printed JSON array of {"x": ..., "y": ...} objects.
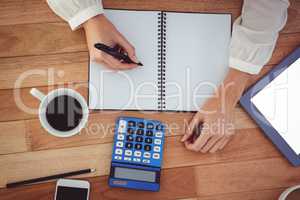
[{"x": 139, "y": 141}]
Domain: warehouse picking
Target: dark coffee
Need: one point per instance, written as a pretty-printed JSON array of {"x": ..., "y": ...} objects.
[
  {"x": 64, "y": 113},
  {"x": 295, "y": 195}
]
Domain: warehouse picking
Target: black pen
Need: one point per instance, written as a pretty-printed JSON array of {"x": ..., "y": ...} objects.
[
  {"x": 47, "y": 178},
  {"x": 116, "y": 53}
]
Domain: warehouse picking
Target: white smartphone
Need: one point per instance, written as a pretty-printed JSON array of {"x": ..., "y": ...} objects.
[{"x": 67, "y": 189}]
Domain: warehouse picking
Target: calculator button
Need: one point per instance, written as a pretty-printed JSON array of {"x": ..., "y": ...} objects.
[
  {"x": 139, "y": 139},
  {"x": 148, "y": 140},
  {"x": 146, "y": 161},
  {"x": 156, "y": 156},
  {"x": 119, "y": 151},
  {"x": 150, "y": 126},
  {"x": 120, "y": 137},
  {"x": 122, "y": 126},
  {"x": 157, "y": 141},
  {"x": 122, "y": 122},
  {"x": 147, "y": 148},
  {"x": 130, "y": 131},
  {"x": 140, "y": 132},
  {"x": 129, "y": 138},
  {"x": 147, "y": 155},
  {"x": 149, "y": 133},
  {"x": 159, "y": 127},
  {"x": 127, "y": 158},
  {"x": 137, "y": 153},
  {"x": 131, "y": 123},
  {"x": 136, "y": 159},
  {"x": 158, "y": 134},
  {"x": 119, "y": 144},
  {"x": 128, "y": 153},
  {"x": 128, "y": 145},
  {"x": 138, "y": 146},
  {"x": 118, "y": 157},
  {"x": 156, "y": 148},
  {"x": 141, "y": 124},
  {"x": 121, "y": 130}
]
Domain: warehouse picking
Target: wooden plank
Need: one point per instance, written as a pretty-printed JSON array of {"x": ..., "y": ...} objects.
[
  {"x": 195, "y": 198},
  {"x": 253, "y": 195},
  {"x": 22, "y": 166},
  {"x": 13, "y": 137},
  {"x": 249, "y": 180},
  {"x": 245, "y": 176},
  {"x": 29, "y": 11},
  {"x": 34, "y": 71},
  {"x": 293, "y": 23},
  {"x": 285, "y": 45},
  {"x": 37, "y": 11},
  {"x": 176, "y": 183},
  {"x": 248, "y": 144},
  {"x": 40, "y": 39}
]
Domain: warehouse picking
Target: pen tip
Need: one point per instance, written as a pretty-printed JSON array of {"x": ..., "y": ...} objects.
[
  {"x": 93, "y": 170},
  {"x": 140, "y": 64}
]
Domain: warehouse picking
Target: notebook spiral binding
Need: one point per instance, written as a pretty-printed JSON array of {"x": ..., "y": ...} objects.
[{"x": 162, "y": 17}]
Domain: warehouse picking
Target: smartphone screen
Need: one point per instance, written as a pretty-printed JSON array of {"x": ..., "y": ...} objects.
[{"x": 71, "y": 193}]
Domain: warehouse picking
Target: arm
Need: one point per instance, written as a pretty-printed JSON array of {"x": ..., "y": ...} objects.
[
  {"x": 254, "y": 37},
  {"x": 89, "y": 14}
]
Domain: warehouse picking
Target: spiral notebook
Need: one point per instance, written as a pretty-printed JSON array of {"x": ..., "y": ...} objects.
[{"x": 185, "y": 57}]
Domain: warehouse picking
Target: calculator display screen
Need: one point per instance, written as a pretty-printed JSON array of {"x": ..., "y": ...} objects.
[{"x": 135, "y": 174}]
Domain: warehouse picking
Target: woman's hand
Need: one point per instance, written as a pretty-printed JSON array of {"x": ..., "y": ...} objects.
[
  {"x": 216, "y": 116},
  {"x": 100, "y": 30}
]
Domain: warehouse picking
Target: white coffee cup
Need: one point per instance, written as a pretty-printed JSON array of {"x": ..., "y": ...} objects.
[{"x": 46, "y": 99}]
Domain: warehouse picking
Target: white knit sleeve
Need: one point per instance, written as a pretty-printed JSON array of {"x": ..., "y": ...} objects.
[
  {"x": 76, "y": 12},
  {"x": 255, "y": 34}
]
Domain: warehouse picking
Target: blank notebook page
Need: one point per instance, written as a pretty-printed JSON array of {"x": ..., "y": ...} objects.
[
  {"x": 196, "y": 57},
  {"x": 131, "y": 89}
]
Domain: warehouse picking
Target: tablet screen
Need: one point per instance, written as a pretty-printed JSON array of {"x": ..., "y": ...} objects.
[{"x": 279, "y": 103}]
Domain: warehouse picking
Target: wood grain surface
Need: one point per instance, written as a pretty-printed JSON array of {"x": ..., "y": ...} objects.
[{"x": 38, "y": 45}]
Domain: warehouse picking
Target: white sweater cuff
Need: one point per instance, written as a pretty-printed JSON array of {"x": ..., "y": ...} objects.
[
  {"x": 85, "y": 15},
  {"x": 243, "y": 66}
]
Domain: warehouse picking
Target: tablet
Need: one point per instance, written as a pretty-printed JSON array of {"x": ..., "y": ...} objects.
[{"x": 274, "y": 103}]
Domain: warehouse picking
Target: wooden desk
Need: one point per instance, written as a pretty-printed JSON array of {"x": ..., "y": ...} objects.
[{"x": 33, "y": 38}]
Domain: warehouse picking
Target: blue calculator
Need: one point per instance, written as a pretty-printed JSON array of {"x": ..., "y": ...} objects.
[{"x": 137, "y": 154}]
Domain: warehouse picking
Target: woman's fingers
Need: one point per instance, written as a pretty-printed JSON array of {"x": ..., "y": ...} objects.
[
  {"x": 211, "y": 142},
  {"x": 98, "y": 57},
  {"x": 116, "y": 63},
  {"x": 219, "y": 145},
  {"x": 202, "y": 139},
  {"x": 223, "y": 144},
  {"x": 194, "y": 123},
  {"x": 109, "y": 65},
  {"x": 216, "y": 147},
  {"x": 128, "y": 47}
]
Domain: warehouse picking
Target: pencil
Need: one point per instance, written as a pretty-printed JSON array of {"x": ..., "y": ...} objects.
[{"x": 47, "y": 178}]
